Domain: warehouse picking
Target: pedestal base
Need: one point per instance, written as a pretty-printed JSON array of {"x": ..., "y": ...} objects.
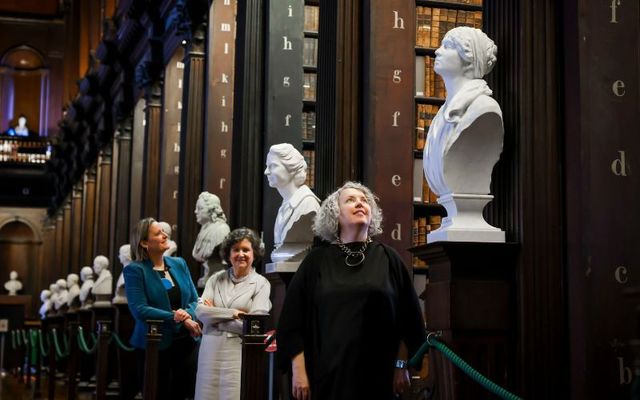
[{"x": 282, "y": 266}]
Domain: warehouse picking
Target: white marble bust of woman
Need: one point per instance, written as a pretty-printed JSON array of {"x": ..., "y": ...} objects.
[
  {"x": 286, "y": 171},
  {"x": 13, "y": 285},
  {"x": 465, "y": 137},
  {"x": 214, "y": 229},
  {"x": 86, "y": 297},
  {"x": 124, "y": 255}
]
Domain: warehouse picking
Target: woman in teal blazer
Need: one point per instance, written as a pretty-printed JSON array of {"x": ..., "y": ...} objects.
[{"x": 160, "y": 288}]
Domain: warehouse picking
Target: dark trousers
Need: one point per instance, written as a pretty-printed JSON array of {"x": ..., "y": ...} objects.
[{"x": 177, "y": 368}]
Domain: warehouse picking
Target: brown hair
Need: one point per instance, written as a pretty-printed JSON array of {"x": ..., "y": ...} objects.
[
  {"x": 140, "y": 232},
  {"x": 238, "y": 235}
]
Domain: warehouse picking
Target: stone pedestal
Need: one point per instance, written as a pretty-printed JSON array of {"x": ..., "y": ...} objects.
[
  {"x": 282, "y": 266},
  {"x": 464, "y": 221}
]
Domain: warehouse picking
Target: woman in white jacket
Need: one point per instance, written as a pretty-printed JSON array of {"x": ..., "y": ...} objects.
[{"x": 228, "y": 294}]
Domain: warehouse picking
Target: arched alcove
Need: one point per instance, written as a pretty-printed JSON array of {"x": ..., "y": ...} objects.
[
  {"x": 19, "y": 251},
  {"x": 24, "y": 89}
]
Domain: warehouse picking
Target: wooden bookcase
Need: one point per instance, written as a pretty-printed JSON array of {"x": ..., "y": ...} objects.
[
  {"x": 310, "y": 73},
  {"x": 433, "y": 19}
]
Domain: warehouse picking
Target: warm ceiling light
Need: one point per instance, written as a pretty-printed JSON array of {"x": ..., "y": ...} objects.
[{"x": 23, "y": 61}]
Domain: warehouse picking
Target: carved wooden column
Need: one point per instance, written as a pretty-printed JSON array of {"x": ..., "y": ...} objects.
[
  {"x": 151, "y": 166},
  {"x": 103, "y": 204},
  {"x": 338, "y": 131},
  {"x": 66, "y": 238},
  {"x": 57, "y": 259},
  {"x": 192, "y": 140},
  {"x": 76, "y": 227},
  {"x": 122, "y": 182},
  {"x": 248, "y": 117},
  {"x": 48, "y": 256},
  {"x": 88, "y": 216}
]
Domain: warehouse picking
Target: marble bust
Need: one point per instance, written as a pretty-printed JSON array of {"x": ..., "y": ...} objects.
[
  {"x": 173, "y": 247},
  {"x": 13, "y": 285},
  {"x": 62, "y": 297},
  {"x": 214, "y": 229},
  {"x": 86, "y": 295},
  {"x": 73, "y": 298},
  {"x": 103, "y": 286},
  {"x": 53, "y": 289},
  {"x": 45, "y": 308},
  {"x": 286, "y": 171},
  {"x": 21, "y": 129},
  {"x": 124, "y": 255},
  {"x": 465, "y": 137}
]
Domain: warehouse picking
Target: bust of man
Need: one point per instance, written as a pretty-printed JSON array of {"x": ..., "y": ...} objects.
[
  {"x": 63, "y": 295},
  {"x": 214, "y": 229},
  {"x": 45, "y": 308},
  {"x": 53, "y": 299},
  {"x": 103, "y": 286},
  {"x": 124, "y": 255},
  {"x": 465, "y": 137},
  {"x": 286, "y": 172},
  {"x": 173, "y": 247},
  {"x": 13, "y": 285},
  {"x": 86, "y": 297},
  {"x": 73, "y": 298}
]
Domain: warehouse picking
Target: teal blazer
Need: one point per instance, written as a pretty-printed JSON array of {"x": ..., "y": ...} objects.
[{"x": 148, "y": 299}]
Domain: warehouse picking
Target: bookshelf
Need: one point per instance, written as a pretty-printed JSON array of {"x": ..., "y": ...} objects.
[
  {"x": 310, "y": 74},
  {"x": 433, "y": 20}
]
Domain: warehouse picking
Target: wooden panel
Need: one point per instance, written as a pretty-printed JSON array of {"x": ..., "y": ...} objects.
[
  {"x": 123, "y": 196},
  {"x": 151, "y": 166},
  {"x": 25, "y": 7},
  {"x": 88, "y": 216},
  {"x": 76, "y": 227},
  {"x": 66, "y": 238},
  {"x": 103, "y": 204},
  {"x": 137, "y": 162},
  {"x": 388, "y": 133}
]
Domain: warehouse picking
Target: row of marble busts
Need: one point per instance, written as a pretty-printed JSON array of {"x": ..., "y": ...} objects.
[{"x": 68, "y": 295}]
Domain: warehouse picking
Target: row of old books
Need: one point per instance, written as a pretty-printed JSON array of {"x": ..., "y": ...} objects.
[
  {"x": 428, "y": 83},
  {"x": 308, "y": 125},
  {"x": 310, "y": 52},
  {"x": 421, "y": 191},
  {"x": 473, "y": 2},
  {"x": 311, "y": 18},
  {"x": 425, "y": 113},
  {"x": 309, "y": 87},
  {"x": 310, "y": 158},
  {"x": 433, "y": 23}
]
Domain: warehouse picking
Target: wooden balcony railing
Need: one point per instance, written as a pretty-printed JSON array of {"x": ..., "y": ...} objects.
[{"x": 24, "y": 151}]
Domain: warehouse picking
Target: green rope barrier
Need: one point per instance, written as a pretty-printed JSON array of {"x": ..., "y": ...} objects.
[
  {"x": 83, "y": 344},
  {"x": 59, "y": 353},
  {"x": 24, "y": 337},
  {"x": 13, "y": 340},
  {"x": 43, "y": 352},
  {"x": 18, "y": 339},
  {"x": 119, "y": 342},
  {"x": 34, "y": 349},
  {"x": 463, "y": 365}
]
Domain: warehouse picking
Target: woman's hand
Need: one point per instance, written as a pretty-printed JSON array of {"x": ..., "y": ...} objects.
[
  {"x": 401, "y": 380},
  {"x": 238, "y": 313},
  {"x": 193, "y": 327},
  {"x": 208, "y": 302},
  {"x": 300, "y": 382},
  {"x": 180, "y": 315}
]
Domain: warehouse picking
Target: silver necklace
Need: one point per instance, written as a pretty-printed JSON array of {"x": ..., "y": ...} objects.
[{"x": 353, "y": 257}]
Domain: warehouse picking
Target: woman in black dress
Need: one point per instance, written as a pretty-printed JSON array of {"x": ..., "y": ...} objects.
[{"x": 351, "y": 316}]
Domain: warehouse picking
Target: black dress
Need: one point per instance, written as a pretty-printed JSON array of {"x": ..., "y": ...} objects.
[{"x": 349, "y": 321}]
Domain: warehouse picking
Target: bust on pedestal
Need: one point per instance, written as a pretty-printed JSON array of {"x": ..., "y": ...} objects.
[
  {"x": 86, "y": 296},
  {"x": 173, "y": 247},
  {"x": 73, "y": 298},
  {"x": 62, "y": 296},
  {"x": 286, "y": 171},
  {"x": 124, "y": 255},
  {"x": 45, "y": 308},
  {"x": 465, "y": 138},
  {"x": 13, "y": 285},
  {"x": 210, "y": 216},
  {"x": 53, "y": 289},
  {"x": 103, "y": 286}
]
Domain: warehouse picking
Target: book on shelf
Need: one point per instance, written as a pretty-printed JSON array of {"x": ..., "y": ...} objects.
[
  {"x": 432, "y": 23},
  {"x": 310, "y": 52},
  {"x": 311, "y": 18},
  {"x": 310, "y": 158},
  {"x": 471, "y": 2},
  {"x": 309, "y": 86},
  {"x": 424, "y": 115},
  {"x": 418, "y": 176},
  {"x": 309, "y": 125}
]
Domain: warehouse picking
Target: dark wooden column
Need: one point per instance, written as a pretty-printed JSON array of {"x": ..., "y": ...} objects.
[
  {"x": 248, "y": 117},
  {"x": 88, "y": 216},
  {"x": 192, "y": 140},
  {"x": 338, "y": 131},
  {"x": 66, "y": 238},
  {"x": 103, "y": 204},
  {"x": 153, "y": 140},
  {"x": 122, "y": 181},
  {"x": 527, "y": 184},
  {"x": 57, "y": 259},
  {"x": 48, "y": 258},
  {"x": 76, "y": 227}
]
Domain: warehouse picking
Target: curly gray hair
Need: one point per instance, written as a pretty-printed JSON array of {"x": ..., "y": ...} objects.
[
  {"x": 211, "y": 202},
  {"x": 326, "y": 224}
]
